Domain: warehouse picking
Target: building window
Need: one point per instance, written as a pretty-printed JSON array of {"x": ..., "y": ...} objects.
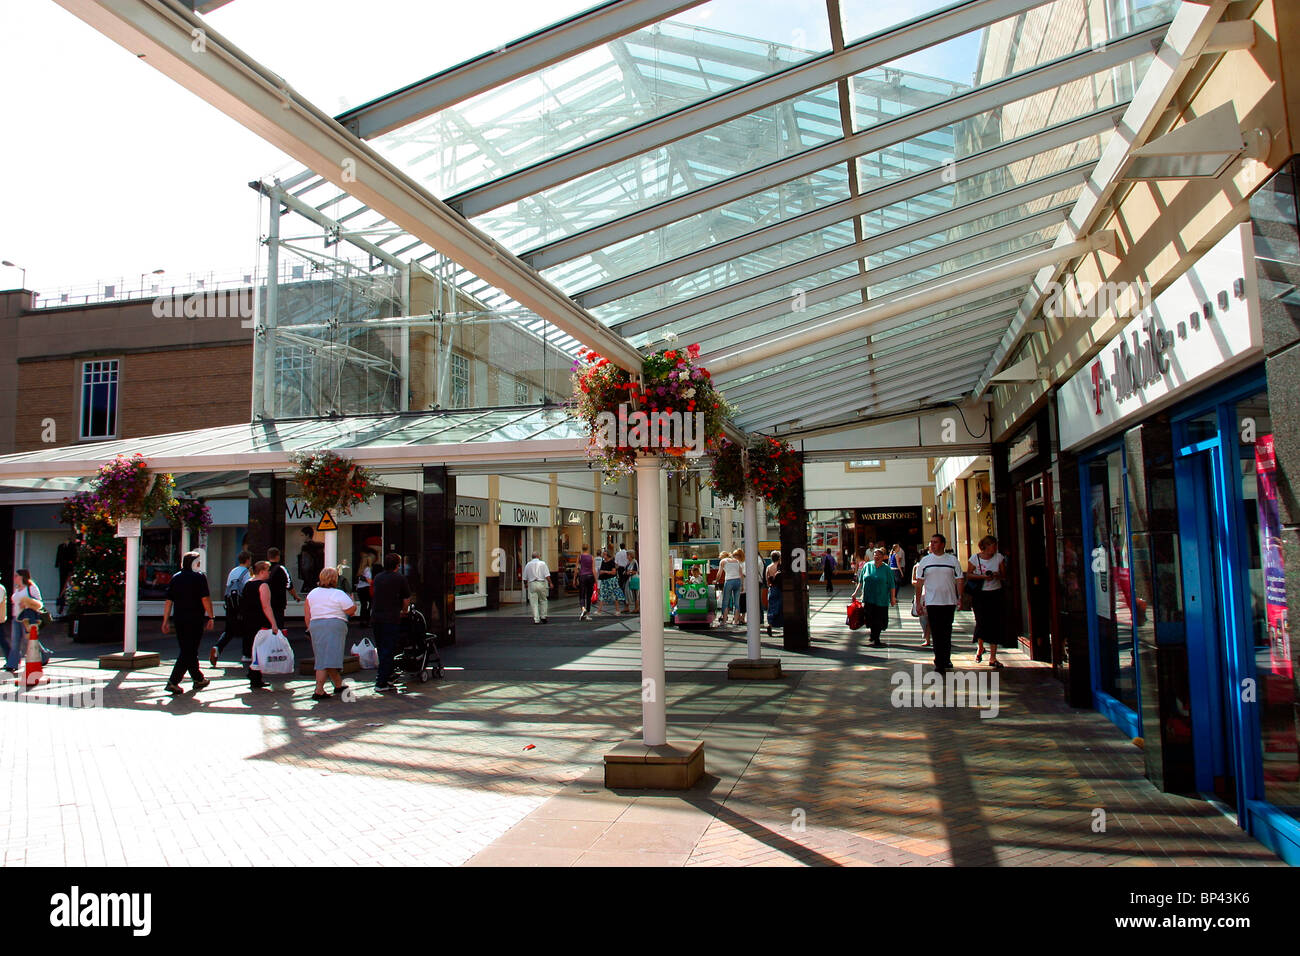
[
  {"x": 521, "y": 393},
  {"x": 99, "y": 399},
  {"x": 459, "y": 381},
  {"x": 865, "y": 464}
]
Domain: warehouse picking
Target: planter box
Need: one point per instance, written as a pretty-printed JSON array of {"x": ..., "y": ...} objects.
[{"x": 98, "y": 628}]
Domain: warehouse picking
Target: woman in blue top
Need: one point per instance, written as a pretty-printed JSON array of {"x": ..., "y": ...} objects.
[{"x": 879, "y": 592}]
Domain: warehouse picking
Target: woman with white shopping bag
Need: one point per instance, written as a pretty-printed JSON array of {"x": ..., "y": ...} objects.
[
  {"x": 258, "y": 621},
  {"x": 326, "y": 612}
]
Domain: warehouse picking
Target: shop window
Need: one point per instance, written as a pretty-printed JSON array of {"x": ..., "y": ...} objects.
[
  {"x": 467, "y": 549},
  {"x": 459, "y": 381},
  {"x": 99, "y": 399},
  {"x": 1113, "y": 603},
  {"x": 1275, "y": 653}
]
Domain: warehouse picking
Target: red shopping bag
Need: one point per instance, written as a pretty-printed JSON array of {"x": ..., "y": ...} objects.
[{"x": 856, "y": 616}]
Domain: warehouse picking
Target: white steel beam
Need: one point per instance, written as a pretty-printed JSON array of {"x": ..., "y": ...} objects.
[
  {"x": 892, "y": 238},
  {"x": 945, "y": 387},
  {"x": 864, "y": 376},
  {"x": 1008, "y": 294},
  {"x": 804, "y": 409},
  {"x": 891, "y": 270},
  {"x": 228, "y": 79},
  {"x": 909, "y": 187},
  {"x": 1187, "y": 38},
  {"x": 520, "y": 58},
  {"x": 641, "y": 139},
  {"x": 867, "y": 363},
  {"x": 931, "y": 295},
  {"x": 824, "y": 70},
  {"x": 880, "y": 136}
]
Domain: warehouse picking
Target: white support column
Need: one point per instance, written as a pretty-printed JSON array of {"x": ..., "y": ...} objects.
[
  {"x": 331, "y": 549},
  {"x": 202, "y": 549},
  {"x": 653, "y": 693},
  {"x": 185, "y": 542},
  {"x": 754, "y": 604},
  {"x": 131, "y": 600}
]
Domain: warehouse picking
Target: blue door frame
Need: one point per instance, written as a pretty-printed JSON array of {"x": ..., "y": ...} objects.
[{"x": 1120, "y": 714}]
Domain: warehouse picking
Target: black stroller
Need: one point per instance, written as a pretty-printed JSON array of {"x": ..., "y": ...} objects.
[{"x": 417, "y": 654}]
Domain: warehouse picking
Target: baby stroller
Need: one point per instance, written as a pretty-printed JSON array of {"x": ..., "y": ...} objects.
[{"x": 417, "y": 654}]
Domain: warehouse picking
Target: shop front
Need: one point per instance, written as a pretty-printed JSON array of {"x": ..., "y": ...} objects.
[
  {"x": 1185, "y": 588},
  {"x": 1025, "y": 487},
  {"x": 522, "y": 531},
  {"x": 471, "y": 544}
]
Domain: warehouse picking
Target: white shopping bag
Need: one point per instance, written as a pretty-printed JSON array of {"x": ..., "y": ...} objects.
[
  {"x": 271, "y": 653},
  {"x": 367, "y": 653}
]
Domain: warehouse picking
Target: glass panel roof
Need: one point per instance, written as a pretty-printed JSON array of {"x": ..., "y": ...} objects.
[{"x": 1017, "y": 112}]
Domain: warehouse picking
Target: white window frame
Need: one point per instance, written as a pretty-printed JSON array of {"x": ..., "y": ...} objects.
[{"x": 82, "y": 385}]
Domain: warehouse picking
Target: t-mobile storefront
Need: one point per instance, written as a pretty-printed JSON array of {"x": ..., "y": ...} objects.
[{"x": 1188, "y": 646}]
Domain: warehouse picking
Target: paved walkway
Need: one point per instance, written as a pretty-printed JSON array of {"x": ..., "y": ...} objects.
[{"x": 500, "y": 763}]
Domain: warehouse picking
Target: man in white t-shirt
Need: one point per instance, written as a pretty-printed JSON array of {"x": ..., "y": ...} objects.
[
  {"x": 620, "y": 567},
  {"x": 537, "y": 580},
  {"x": 940, "y": 576}
]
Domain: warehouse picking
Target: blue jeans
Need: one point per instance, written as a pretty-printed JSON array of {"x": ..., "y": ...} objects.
[
  {"x": 386, "y": 635},
  {"x": 731, "y": 595},
  {"x": 18, "y": 638},
  {"x": 773, "y": 607}
]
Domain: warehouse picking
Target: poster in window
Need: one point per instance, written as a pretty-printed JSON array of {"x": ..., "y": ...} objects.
[{"x": 1270, "y": 549}]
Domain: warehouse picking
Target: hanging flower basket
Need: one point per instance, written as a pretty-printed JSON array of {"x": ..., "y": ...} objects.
[
  {"x": 675, "y": 411},
  {"x": 774, "y": 473},
  {"x": 190, "y": 513},
  {"x": 124, "y": 488},
  {"x": 331, "y": 482}
]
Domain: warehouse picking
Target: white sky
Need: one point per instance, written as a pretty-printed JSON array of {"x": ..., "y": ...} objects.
[{"x": 110, "y": 169}]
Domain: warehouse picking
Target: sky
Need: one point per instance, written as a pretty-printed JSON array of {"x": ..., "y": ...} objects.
[{"x": 110, "y": 170}]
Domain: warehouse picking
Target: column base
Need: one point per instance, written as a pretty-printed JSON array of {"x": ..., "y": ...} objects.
[
  {"x": 765, "y": 668},
  {"x": 676, "y": 765},
  {"x": 129, "y": 661}
]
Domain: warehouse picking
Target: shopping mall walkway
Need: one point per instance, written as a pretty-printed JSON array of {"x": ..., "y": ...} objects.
[{"x": 500, "y": 764}]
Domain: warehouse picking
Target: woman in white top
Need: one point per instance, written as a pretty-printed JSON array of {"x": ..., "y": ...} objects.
[
  {"x": 325, "y": 612},
  {"x": 25, "y": 609},
  {"x": 729, "y": 570},
  {"x": 739, "y": 555},
  {"x": 988, "y": 567}
]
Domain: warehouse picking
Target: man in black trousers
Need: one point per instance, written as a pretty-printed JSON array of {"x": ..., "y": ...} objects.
[{"x": 190, "y": 606}]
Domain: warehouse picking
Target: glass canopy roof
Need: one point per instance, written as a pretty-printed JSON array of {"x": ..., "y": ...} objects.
[
  {"x": 735, "y": 169},
  {"x": 268, "y": 444}
]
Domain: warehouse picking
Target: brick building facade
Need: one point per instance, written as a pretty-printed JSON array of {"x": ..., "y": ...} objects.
[{"x": 161, "y": 374}]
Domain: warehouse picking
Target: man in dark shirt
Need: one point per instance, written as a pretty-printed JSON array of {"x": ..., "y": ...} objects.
[
  {"x": 389, "y": 598},
  {"x": 281, "y": 586},
  {"x": 190, "y": 606}
]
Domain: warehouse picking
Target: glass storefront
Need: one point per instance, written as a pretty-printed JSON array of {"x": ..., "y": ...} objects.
[{"x": 1111, "y": 599}]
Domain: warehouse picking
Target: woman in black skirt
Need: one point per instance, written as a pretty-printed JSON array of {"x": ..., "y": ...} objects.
[{"x": 989, "y": 568}]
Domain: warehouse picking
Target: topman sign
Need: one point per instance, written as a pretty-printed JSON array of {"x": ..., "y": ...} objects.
[{"x": 1205, "y": 324}]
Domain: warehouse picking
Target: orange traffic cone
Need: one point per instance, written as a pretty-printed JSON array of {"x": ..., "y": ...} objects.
[{"x": 33, "y": 671}]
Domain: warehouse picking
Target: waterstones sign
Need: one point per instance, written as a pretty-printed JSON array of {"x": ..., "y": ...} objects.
[{"x": 1206, "y": 323}]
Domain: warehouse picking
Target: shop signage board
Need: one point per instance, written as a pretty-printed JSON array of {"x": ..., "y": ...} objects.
[
  {"x": 529, "y": 516},
  {"x": 1023, "y": 447},
  {"x": 609, "y": 522},
  {"x": 471, "y": 510},
  {"x": 1206, "y": 323},
  {"x": 297, "y": 511}
]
